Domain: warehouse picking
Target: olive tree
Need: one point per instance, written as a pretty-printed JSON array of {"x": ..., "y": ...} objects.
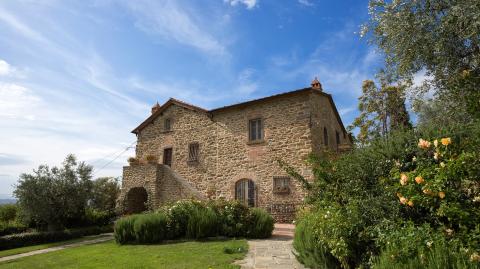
[{"x": 52, "y": 196}]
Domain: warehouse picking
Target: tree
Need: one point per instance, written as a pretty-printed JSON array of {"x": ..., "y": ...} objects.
[
  {"x": 52, "y": 196},
  {"x": 105, "y": 191},
  {"x": 441, "y": 37},
  {"x": 381, "y": 111}
]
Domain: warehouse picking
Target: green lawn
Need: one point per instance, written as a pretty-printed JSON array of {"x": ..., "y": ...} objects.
[{"x": 195, "y": 255}]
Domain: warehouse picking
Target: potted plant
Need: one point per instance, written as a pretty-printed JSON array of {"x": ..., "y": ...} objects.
[
  {"x": 282, "y": 190},
  {"x": 132, "y": 161},
  {"x": 152, "y": 159}
]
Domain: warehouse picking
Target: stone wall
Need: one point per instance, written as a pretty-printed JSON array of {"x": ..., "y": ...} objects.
[{"x": 291, "y": 133}]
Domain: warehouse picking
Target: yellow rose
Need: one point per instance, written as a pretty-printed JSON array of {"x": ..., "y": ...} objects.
[
  {"x": 403, "y": 179},
  {"x": 424, "y": 144},
  {"x": 403, "y": 200},
  {"x": 419, "y": 180},
  {"x": 435, "y": 143},
  {"x": 441, "y": 195},
  {"x": 427, "y": 192},
  {"x": 410, "y": 203},
  {"x": 446, "y": 141}
]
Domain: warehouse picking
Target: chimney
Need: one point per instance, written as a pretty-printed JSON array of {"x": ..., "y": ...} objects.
[
  {"x": 316, "y": 84},
  {"x": 155, "y": 108}
]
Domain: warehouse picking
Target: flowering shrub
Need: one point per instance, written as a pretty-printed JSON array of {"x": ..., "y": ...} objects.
[{"x": 441, "y": 182}]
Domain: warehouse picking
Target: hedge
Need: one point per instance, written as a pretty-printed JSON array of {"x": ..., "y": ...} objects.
[
  {"x": 35, "y": 238},
  {"x": 194, "y": 220}
]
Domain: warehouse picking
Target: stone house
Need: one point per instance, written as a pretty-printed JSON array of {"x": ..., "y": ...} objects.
[{"x": 232, "y": 152}]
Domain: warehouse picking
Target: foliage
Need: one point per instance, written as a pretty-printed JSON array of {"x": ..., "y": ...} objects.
[
  {"x": 12, "y": 227},
  {"x": 233, "y": 217},
  {"x": 427, "y": 178},
  {"x": 260, "y": 224},
  {"x": 150, "y": 228},
  {"x": 104, "y": 193},
  {"x": 381, "y": 110},
  {"x": 202, "y": 223},
  {"x": 124, "y": 229},
  {"x": 406, "y": 245},
  {"x": 8, "y": 212},
  {"x": 309, "y": 247},
  {"x": 98, "y": 217},
  {"x": 441, "y": 37},
  {"x": 52, "y": 196},
  {"x": 196, "y": 220},
  {"x": 34, "y": 238}
]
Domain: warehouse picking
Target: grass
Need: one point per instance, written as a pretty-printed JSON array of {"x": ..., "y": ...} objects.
[
  {"x": 8, "y": 252},
  {"x": 185, "y": 255}
]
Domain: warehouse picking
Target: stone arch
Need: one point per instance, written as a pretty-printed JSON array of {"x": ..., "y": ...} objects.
[{"x": 135, "y": 200}]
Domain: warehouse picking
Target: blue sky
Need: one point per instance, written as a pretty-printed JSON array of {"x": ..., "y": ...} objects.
[{"x": 78, "y": 76}]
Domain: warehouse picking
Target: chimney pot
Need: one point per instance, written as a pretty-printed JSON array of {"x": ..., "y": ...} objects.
[
  {"x": 316, "y": 85},
  {"x": 155, "y": 108}
]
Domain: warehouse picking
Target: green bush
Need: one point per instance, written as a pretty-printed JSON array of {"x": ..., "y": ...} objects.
[
  {"x": 150, "y": 228},
  {"x": 8, "y": 212},
  {"x": 260, "y": 224},
  {"x": 406, "y": 245},
  {"x": 233, "y": 217},
  {"x": 12, "y": 227},
  {"x": 35, "y": 238},
  {"x": 202, "y": 223},
  {"x": 308, "y": 246},
  {"x": 98, "y": 217},
  {"x": 124, "y": 229},
  {"x": 178, "y": 215}
]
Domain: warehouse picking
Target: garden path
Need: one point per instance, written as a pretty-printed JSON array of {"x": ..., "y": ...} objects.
[
  {"x": 274, "y": 252},
  {"x": 103, "y": 238}
]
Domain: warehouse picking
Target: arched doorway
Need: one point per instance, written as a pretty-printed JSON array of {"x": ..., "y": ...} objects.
[
  {"x": 136, "y": 199},
  {"x": 245, "y": 192}
]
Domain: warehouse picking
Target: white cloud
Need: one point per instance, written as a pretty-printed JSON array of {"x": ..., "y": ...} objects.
[
  {"x": 171, "y": 22},
  {"x": 307, "y": 3},
  {"x": 5, "y": 68},
  {"x": 17, "y": 102},
  {"x": 249, "y": 4}
]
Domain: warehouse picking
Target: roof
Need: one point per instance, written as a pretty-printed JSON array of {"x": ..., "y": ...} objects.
[{"x": 173, "y": 101}]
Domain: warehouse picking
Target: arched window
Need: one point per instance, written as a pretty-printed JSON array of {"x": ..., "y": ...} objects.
[
  {"x": 325, "y": 136},
  {"x": 245, "y": 192}
]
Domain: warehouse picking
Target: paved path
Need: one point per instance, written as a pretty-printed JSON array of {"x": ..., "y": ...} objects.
[
  {"x": 105, "y": 237},
  {"x": 272, "y": 253}
]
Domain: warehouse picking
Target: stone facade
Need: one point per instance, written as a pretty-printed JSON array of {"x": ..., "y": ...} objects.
[{"x": 294, "y": 125}]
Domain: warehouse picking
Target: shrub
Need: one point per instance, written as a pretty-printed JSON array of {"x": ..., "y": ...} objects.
[
  {"x": 12, "y": 227},
  {"x": 35, "y": 238},
  {"x": 260, "y": 224},
  {"x": 98, "y": 217},
  {"x": 124, "y": 229},
  {"x": 309, "y": 248},
  {"x": 178, "y": 215},
  {"x": 8, "y": 212},
  {"x": 405, "y": 245},
  {"x": 202, "y": 223},
  {"x": 150, "y": 228},
  {"x": 233, "y": 217}
]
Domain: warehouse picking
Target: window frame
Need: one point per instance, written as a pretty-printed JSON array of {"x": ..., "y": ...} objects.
[
  {"x": 193, "y": 152},
  {"x": 259, "y": 132},
  {"x": 281, "y": 184},
  {"x": 325, "y": 136},
  {"x": 167, "y": 124}
]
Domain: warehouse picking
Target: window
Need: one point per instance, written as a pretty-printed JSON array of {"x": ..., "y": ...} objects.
[
  {"x": 255, "y": 130},
  {"x": 337, "y": 137},
  {"x": 245, "y": 192},
  {"x": 167, "y": 125},
  {"x": 167, "y": 156},
  {"x": 281, "y": 184},
  {"x": 193, "y": 149},
  {"x": 325, "y": 136}
]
